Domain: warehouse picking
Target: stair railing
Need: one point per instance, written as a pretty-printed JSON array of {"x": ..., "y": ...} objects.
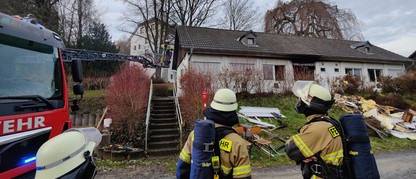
[
  {"x": 148, "y": 116},
  {"x": 178, "y": 111}
]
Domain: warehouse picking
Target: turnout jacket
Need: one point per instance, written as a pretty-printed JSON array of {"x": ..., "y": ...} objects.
[
  {"x": 234, "y": 158},
  {"x": 316, "y": 138}
]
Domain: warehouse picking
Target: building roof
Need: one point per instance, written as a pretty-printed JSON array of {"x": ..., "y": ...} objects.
[
  {"x": 413, "y": 55},
  {"x": 219, "y": 41}
]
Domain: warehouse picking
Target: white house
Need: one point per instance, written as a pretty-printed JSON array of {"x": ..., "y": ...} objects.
[
  {"x": 139, "y": 45},
  {"x": 281, "y": 59}
]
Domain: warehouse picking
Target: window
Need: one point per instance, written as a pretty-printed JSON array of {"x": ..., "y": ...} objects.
[
  {"x": 139, "y": 47},
  {"x": 241, "y": 66},
  {"x": 134, "y": 48},
  {"x": 374, "y": 74},
  {"x": 336, "y": 70},
  {"x": 279, "y": 72},
  {"x": 304, "y": 72},
  {"x": 250, "y": 41},
  {"x": 353, "y": 71},
  {"x": 153, "y": 27},
  {"x": 141, "y": 30},
  {"x": 268, "y": 72},
  {"x": 206, "y": 67},
  {"x": 322, "y": 69},
  {"x": 146, "y": 41}
]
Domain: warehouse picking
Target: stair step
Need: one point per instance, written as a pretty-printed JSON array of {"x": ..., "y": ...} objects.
[
  {"x": 161, "y": 115},
  {"x": 163, "y": 107},
  {"x": 168, "y": 98},
  {"x": 163, "y": 120},
  {"x": 163, "y": 125},
  {"x": 165, "y": 151},
  {"x": 158, "y": 138},
  {"x": 163, "y": 144},
  {"x": 164, "y": 131},
  {"x": 164, "y": 110}
]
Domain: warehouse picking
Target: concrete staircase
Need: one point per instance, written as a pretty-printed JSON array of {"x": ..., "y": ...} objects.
[{"x": 163, "y": 128}]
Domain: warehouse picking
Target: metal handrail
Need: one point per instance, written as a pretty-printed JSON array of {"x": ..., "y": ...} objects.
[
  {"x": 178, "y": 111},
  {"x": 148, "y": 115}
]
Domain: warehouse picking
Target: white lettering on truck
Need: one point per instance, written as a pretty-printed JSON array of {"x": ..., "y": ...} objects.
[{"x": 29, "y": 123}]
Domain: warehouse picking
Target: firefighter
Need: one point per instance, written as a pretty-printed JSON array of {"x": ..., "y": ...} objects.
[
  {"x": 68, "y": 155},
  {"x": 318, "y": 146},
  {"x": 234, "y": 158}
]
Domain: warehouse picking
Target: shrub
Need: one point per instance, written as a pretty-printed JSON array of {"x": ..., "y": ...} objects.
[
  {"x": 126, "y": 97},
  {"x": 392, "y": 99},
  {"x": 405, "y": 83},
  {"x": 192, "y": 83},
  {"x": 347, "y": 84}
]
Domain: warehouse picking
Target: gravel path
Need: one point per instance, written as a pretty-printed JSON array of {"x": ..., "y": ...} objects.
[{"x": 390, "y": 165}]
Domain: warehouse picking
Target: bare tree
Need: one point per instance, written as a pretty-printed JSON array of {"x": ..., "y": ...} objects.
[
  {"x": 239, "y": 15},
  {"x": 313, "y": 18},
  {"x": 44, "y": 10},
  {"x": 75, "y": 17},
  {"x": 154, "y": 16},
  {"x": 192, "y": 12},
  {"x": 123, "y": 44}
]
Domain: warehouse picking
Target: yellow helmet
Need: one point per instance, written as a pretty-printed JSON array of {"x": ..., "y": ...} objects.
[
  {"x": 224, "y": 100},
  {"x": 65, "y": 152},
  {"x": 313, "y": 96}
]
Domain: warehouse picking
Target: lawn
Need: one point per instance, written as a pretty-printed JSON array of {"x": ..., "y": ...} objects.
[{"x": 285, "y": 103}]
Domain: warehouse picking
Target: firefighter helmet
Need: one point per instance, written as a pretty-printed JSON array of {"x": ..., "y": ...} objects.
[
  {"x": 224, "y": 100},
  {"x": 66, "y": 152},
  {"x": 312, "y": 96}
]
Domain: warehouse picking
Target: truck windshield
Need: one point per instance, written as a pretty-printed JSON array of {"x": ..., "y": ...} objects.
[{"x": 28, "y": 68}]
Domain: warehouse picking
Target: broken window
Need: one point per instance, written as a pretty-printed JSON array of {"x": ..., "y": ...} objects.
[
  {"x": 353, "y": 71},
  {"x": 374, "y": 74},
  {"x": 304, "y": 72},
  {"x": 274, "y": 72},
  {"x": 268, "y": 72},
  {"x": 279, "y": 72}
]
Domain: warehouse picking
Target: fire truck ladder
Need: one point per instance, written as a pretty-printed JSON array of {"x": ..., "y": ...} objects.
[{"x": 147, "y": 60}]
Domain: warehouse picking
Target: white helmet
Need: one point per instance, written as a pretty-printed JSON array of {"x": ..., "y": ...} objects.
[
  {"x": 224, "y": 100},
  {"x": 65, "y": 152},
  {"x": 313, "y": 96}
]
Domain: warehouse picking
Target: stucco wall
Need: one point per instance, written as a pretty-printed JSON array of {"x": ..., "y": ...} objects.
[{"x": 325, "y": 77}]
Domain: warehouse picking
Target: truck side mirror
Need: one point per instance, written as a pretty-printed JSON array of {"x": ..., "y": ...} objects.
[
  {"x": 78, "y": 89},
  {"x": 77, "y": 70}
]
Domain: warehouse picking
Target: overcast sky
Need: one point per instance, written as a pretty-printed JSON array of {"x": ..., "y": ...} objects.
[{"x": 389, "y": 24}]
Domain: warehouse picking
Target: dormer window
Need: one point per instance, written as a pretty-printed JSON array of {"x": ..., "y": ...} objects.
[
  {"x": 249, "y": 39},
  {"x": 364, "y": 47}
]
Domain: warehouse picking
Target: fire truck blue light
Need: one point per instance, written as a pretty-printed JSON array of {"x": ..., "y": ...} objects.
[{"x": 30, "y": 160}]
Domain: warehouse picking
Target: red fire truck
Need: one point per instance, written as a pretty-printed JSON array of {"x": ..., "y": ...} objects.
[{"x": 34, "y": 103}]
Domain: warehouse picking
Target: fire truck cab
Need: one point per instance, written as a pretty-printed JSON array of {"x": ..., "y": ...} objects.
[{"x": 34, "y": 103}]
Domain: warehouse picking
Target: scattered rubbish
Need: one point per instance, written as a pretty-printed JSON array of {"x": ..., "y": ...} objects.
[
  {"x": 261, "y": 124},
  {"x": 392, "y": 120},
  {"x": 260, "y": 111},
  {"x": 281, "y": 122}
]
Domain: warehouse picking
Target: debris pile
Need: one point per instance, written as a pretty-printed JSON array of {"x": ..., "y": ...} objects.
[{"x": 399, "y": 123}]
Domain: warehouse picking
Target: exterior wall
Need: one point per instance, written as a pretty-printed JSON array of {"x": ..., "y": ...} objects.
[
  {"x": 326, "y": 77},
  {"x": 226, "y": 62}
]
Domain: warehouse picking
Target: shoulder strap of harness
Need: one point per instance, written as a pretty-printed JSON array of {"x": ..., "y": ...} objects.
[
  {"x": 347, "y": 165},
  {"x": 221, "y": 132}
]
